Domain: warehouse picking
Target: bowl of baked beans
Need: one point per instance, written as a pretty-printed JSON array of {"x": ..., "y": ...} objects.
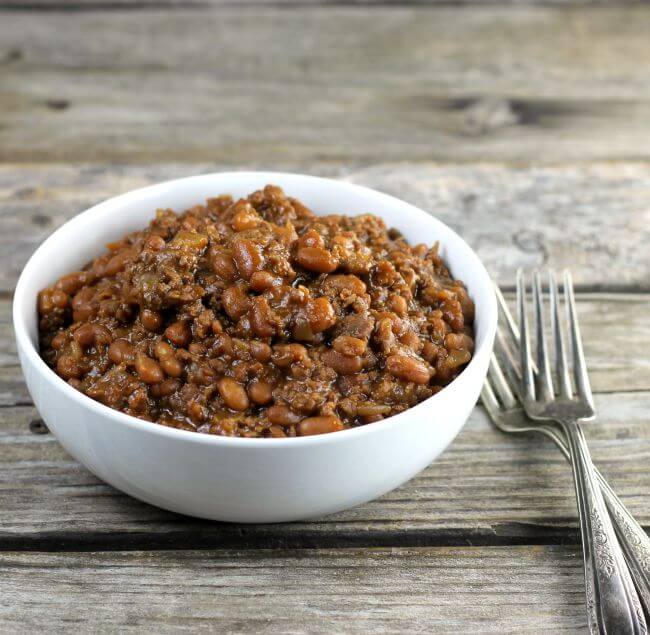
[{"x": 254, "y": 347}]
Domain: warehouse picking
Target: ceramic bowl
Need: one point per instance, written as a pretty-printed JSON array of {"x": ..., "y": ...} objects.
[{"x": 234, "y": 479}]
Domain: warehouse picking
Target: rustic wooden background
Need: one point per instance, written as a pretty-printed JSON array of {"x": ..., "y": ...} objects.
[{"x": 523, "y": 125}]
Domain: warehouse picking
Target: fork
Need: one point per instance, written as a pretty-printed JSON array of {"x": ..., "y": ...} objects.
[
  {"x": 507, "y": 414},
  {"x": 612, "y": 603}
]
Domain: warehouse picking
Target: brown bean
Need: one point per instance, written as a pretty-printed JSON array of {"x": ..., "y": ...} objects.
[
  {"x": 235, "y": 302},
  {"x": 118, "y": 262},
  {"x": 148, "y": 369},
  {"x": 178, "y": 333},
  {"x": 319, "y": 425},
  {"x": 72, "y": 282},
  {"x": 165, "y": 388},
  {"x": 457, "y": 358},
  {"x": 282, "y": 415},
  {"x": 277, "y": 432},
  {"x": 411, "y": 339},
  {"x": 151, "y": 320},
  {"x": 84, "y": 296},
  {"x": 372, "y": 409},
  {"x": 85, "y": 335},
  {"x": 430, "y": 352},
  {"x": 233, "y": 394},
  {"x": 84, "y": 305},
  {"x": 408, "y": 368},
  {"x": 58, "y": 340},
  {"x": 286, "y": 354},
  {"x": 260, "y": 351},
  {"x": 316, "y": 259},
  {"x": 223, "y": 344},
  {"x": 261, "y": 392},
  {"x": 172, "y": 366},
  {"x": 342, "y": 364},
  {"x": 68, "y": 367},
  {"x": 197, "y": 412},
  {"x": 88, "y": 334},
  {"x": 261, "y": 317},
  {"x": 263, "y": 280},
  {"x": 350, "y": 346},
  {"x": 245, "y": 218},
  {"x": 311, "y": 238},
  {"x": 320, "y": 314},
  {"x": 398, "y": 304},
  {"x": 196, "y": 348},
  {"x": 45, "y": 304},
  {"x": 224, "y": 266},
  {"x": 162, "y": 350},
  {"x": 334, "y": 285},
  {"x": 60, "y": 299},
  {"x": 120, "y": 352},
  {"x": 155, "y": 243},
  {"x": 248, "y": 257},
  {"x": 459, "y": 341}
]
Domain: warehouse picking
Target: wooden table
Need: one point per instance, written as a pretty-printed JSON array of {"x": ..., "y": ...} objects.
[{"x": 523, "y": 127}]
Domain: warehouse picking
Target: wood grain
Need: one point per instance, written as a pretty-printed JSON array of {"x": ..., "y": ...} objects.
[
  {"x": 111, "y": 5},
  {"x": 496, "y": 590},
  {"x": 594, "y": 219},
  {"x": 237, "y": 84},
  {"x": 487, "y": 488}
]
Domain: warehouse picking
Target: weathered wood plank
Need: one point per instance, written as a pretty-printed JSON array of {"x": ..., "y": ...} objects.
[
  {"x": 613, "y": 326},
  {"x": 94, "y": 5},
  {"x": 445, "y": 590},
  {"x": 593, "y": 218},
  {"x": 444, "y": 83},
  {"x": 590, "y": 52},
  {"x": 487, "y": 488}
]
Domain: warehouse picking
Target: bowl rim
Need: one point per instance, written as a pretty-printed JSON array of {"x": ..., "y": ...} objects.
[{"x": 29, "y": 349}]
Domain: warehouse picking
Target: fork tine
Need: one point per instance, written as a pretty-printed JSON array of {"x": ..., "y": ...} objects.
[
  {"x": 508, "y": 361},
  {"x": 505, "y": 311},
  {"x": 579, "y": 364},
  {"x": 544, "y": 382},
  {"x": 527, "y": 377},
  {"x": 561, "y": 365},
  {"x": 501, "y": 383},
  {"x": 488, "y": 399}
]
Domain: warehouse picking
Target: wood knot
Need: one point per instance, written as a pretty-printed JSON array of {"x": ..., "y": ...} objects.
[
  {"x": 37, "y": 426},
  {"x": 490, "y": 113},
  {"x": 57, "y": 104}
]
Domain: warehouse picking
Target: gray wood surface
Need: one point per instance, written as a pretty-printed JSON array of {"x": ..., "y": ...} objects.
[
  {"x": 593, "y": 218},
  {"x": 332, "y": 590},
  {"x": 242, "y": 84}
]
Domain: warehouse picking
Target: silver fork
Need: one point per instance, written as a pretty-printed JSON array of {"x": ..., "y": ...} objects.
[
  {"x": 500, "y": 400},
  {"x": 612, "y": 603},
  {"x": 510, "y": 417}
]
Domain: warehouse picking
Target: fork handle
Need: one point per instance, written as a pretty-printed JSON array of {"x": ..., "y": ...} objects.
[
  {"x": 612, "y": 603},
  {"x": 631, "y": 536},
  {"x": 633, "y": 540}
]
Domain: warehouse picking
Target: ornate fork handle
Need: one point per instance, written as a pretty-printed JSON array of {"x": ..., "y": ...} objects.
[
  {"x": 612, "y": 601},
  {"x": 633, "y": 539}
]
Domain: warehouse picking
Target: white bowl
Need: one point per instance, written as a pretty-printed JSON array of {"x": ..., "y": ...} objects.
[{"x": 233, "y": 479}]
